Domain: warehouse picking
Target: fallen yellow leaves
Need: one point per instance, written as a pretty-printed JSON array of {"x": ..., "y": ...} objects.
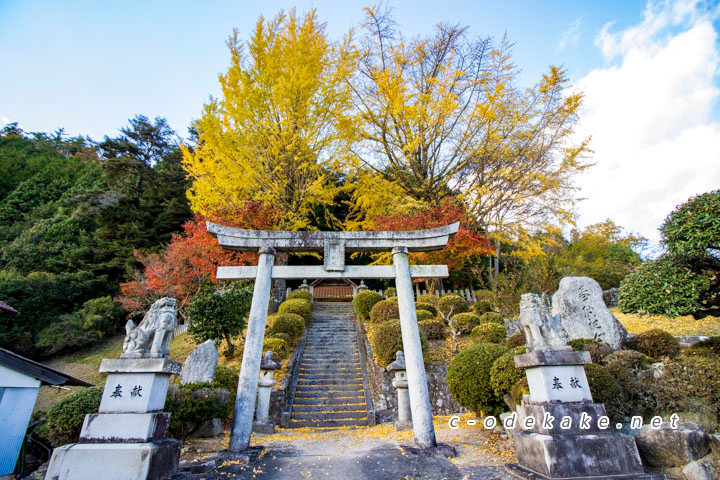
[{"x": 678, "y": 326}]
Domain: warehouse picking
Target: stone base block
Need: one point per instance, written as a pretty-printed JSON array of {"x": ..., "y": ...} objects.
[
  {"x": 114, "y": 461},
  {"x": 572, "y": 456},
  {"x": 210, "y": 429},
  {"x": 263, "y": 427},
  {"x": 403, "y": 425},
  {"x": 125, "y": 427},
  {"x": 574, "y": 412},
  {"x": 516, "y": 471}
]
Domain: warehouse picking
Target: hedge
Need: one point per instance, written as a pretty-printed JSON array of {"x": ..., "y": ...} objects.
[{"x": 468, "y": 378}]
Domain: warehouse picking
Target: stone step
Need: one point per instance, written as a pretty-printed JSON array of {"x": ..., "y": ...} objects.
[
  {"x": 340, "y": 407},
  {"x": 328, "y": 423},
  {"x": 311, "y": 399},
  {"x": 331, "y": 369},
  {"x": 335, "y": 388},
  {"x": 329, "y": 382},
  {"x": 328, "y": 415}
]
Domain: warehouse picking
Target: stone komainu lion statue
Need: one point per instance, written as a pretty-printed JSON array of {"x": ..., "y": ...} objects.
[
  {"x": 542, "y": 330},
  {"x": 152, "y": 337}
]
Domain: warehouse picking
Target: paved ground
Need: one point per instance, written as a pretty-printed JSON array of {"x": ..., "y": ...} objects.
[{"x": 376, "y": 453}]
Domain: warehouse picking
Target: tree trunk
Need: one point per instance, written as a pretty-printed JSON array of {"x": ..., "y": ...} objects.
[{"x": 230, "y": 347}]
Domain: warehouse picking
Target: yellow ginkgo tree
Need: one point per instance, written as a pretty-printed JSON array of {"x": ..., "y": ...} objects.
[{"x": 273, "y": 134}]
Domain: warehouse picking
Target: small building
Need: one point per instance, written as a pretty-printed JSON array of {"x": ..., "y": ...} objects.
[
  {"x": 20, "y": 380},
  {"x": 333, "y": 290}
]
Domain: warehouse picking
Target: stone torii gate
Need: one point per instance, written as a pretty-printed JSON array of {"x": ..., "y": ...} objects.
[{"x": 333, "y": 245}]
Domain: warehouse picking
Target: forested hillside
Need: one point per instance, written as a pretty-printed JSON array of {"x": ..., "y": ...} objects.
[{"x": 71, "y": 213}]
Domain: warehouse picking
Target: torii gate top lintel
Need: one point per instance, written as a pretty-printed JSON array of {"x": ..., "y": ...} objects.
[{"x": 305, "y": 241}]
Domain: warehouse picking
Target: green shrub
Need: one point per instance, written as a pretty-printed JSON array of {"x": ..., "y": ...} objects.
[
  {"x": 489, "y": 333},
  {"x": 492, "y": 317},
  {"x": 426, "y": 306},
  {"x": 390, "y": 292},
  {"x": 693, "y": 226},
  {"x": 392, "y": 299},
  {"x": 666, "y": 286},
  {"x": 605, "y": 388},
  {"x": 468, "y": 378},
  {"x": 690, "y": 384},
  {"x": 434, "y": 329},
  {"x": 301, "y": 294},
  {"x": 290, "y": 324},
  {"x": 281, "y": 336},
  {"x": 363, "y": 303},
  {"x": 705, "y": 348},
  {"x": 485, "y": 295},
  {"x": 465, "y": 322},
  {"x": 656, "y": 343},
  {"x": 192, "y": 405},
  {"x": 278, "y": 346},
  {"x": 519, "y": 389},
  {"x": 65, "y": 418},
  {"x": 632, "y": 371},
  {"x": 424, "y": 315},
  {"x": 387, "y": 339},
  {"x": 452, "y": 304},
  {"x": 597, "y": 349},
  {"x": 383, "y": 311},
  {"x": 297, "y": 306},
  {"x": 227, "y": 378},
  {"x": 504, "y": 374},
  {"x": 517, "y": 340},
  {"x": 482, "y": 306},
  {"x": 428, "y": 298}
]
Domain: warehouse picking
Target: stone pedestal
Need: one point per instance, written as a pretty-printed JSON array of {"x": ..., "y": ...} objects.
[
  {"x": 564, "y": 434},
  {"x": 127, "y": 439}
]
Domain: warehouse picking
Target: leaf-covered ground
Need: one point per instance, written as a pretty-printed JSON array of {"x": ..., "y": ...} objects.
[{"x": 678, "y": 326}]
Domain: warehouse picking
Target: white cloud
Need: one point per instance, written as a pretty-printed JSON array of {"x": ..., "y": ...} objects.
[
  {"x": 651, "y": 118},
  {"x": 3, "y": 120},
  {"x": 571, "y": 36}
]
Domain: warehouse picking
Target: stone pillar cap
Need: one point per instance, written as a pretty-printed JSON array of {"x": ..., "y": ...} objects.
[
  {"x": 268, "y": 363},
  {"x": 140, "y": 365},
  {"x": 547, "y": 357},
  {"x": 398, "y": 364}
]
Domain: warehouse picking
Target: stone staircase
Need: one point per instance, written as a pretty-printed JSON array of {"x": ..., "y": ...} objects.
[{"x": 329, "y": 390}]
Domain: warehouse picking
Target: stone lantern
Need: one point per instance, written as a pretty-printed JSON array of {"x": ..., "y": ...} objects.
[
  {"x": 404, "y": 420},
  {"x": 266, "y": 381},
  {"x": 304, "y": 286},
  {"x": 362, "y": 287}
]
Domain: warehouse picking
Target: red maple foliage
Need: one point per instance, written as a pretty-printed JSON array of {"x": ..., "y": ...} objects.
[
  {"x": 464, "y": 245},
  {"x": 191, "y": 258}
]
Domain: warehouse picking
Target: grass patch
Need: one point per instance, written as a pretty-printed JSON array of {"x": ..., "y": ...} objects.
[{"x": 678, "y": 326}]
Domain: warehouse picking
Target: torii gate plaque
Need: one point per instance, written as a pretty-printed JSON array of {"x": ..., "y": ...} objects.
[{"x": 334, "y": 245}]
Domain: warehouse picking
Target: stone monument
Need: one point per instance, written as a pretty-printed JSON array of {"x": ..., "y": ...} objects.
[
  {"x": 200, "y": 366},
  {"x": 564, "y": 434},
  {"x": 581, "y": 310},
  {"x": 127, "y": 440}
]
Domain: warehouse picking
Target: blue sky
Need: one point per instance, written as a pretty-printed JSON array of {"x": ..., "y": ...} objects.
[{"x": 649, "y": 72}]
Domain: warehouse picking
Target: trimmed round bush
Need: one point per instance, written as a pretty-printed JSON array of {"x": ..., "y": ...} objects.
[
  {"x": 297, "y": 306},
  {"x": 301, "y": 294},
  {"x": 485, "y": 295},
  {"x": 424, "y": 315},
  {"x": 383, "y": 311},
  {"x": 705, "y": 348},
  {"x": 517, "y": 340},
  {"x": 452, "y": 304},
  {"x": 282, "y": 336},
  {"x": 391, "y": 299},
  {"x": 492, "y": 317},
  {"x": 519, "y": 389},
  {"x": 656, "y": 343},
  {"x": 290, "y": 324},
  {"x": 605, "y": 388},
  {"x": 65, "y": 418},
  {"x": 504, "y": 374},
  {"x": 390, "y": 292},
  {"x": 428, "y": 298},
  {"x": 278, "y": 346},
  {"x": 690, "y": 384},
  {"x": 597, "y": 349},
  {"x": 387, "y": 339},
  {"x": 482, "y": 306},
  {"x": 489, "y": 333},
  {"x": 434, "y": 329},
  {"x": 468, "y": 378},
  {"x": 426, "y": 306},
  {"x": 465, "y": 321},
  {"x": 363, "y": 303},
  {"x": 666, "y": 286}
]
